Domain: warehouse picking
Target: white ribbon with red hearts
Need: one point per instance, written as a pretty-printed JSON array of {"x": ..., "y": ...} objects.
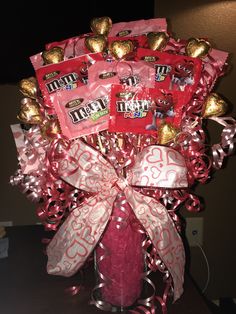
[{"x": 155, "y": 166}]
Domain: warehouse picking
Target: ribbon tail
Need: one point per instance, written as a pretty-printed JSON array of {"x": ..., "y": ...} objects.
[
  {"x": 155, "y": 219},
  {"x": 78, "y": 235}
]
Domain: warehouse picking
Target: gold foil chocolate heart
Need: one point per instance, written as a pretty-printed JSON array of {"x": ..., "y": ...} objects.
[
  {"x": 51, "y": 129},
  {"x": 29, "y": 87},
  {"x": 214, "y": 106},
  {"x": 101, "y": 25},
  {"x": 120, "y": 48},
  {"x": 54, "y": 55},
  {"x": 157, "y": 41},
  {"x": 197, "y": 48},
  {"x": 96, "y": 43},
  {"x": 30, "y": 112},
  {"x": 166, "y": 133}
]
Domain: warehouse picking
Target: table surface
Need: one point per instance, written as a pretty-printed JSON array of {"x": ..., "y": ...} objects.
[{"x": 26, "y": 288}]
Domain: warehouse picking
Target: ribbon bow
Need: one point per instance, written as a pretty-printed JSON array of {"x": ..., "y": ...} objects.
[{"x": 155, "y": 166}]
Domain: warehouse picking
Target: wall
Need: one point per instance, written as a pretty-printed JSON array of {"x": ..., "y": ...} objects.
[{"x": 215, "y": 20}]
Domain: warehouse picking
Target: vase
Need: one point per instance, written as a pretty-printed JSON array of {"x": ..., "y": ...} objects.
[{"x": 119, "y": 260}]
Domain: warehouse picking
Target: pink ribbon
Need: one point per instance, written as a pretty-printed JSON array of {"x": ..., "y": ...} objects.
[
  {"x": 227, "y": 145},
  {"x": 30, "y": 146},
  {"x": 155, "y": 166},
  {"x": 38, "y": 178}
]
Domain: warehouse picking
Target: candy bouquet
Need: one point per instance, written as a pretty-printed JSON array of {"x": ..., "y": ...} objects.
[{"x": 111, "y": 140}]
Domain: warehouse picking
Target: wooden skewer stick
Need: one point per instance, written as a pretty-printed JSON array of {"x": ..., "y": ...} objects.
[
  {"x": 139, "y": 143},
  {"x": 120, "y": 142},
  {"x": 100, "y": 145},
  {"x": 84, "y": 138}
]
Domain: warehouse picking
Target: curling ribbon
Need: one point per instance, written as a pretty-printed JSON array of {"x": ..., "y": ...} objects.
[
  {"x": 38, "y": 178},
  {"x": 155, "y": 166},
  {"x": 228, "y": 140},
  {"x": 31, "y": 147}
]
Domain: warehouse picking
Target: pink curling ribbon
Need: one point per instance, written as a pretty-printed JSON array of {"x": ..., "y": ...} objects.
[
  {"x": 228, "y": 140},
  {"x": 156, "y": 166},
  {"x": 38, "y": 178},
  {"x": 31, "y": 147}
]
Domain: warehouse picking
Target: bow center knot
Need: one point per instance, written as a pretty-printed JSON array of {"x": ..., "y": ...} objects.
[{"x": 121, "y": 183}]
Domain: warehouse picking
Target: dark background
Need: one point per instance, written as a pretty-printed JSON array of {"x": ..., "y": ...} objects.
[{"x": 26, "y": 27}]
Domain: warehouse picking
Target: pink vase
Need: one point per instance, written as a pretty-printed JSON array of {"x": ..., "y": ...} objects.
[{"x": 123, "y": 262}]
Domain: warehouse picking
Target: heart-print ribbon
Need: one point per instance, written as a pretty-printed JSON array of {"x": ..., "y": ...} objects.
[{"x": 155, "y": 166}]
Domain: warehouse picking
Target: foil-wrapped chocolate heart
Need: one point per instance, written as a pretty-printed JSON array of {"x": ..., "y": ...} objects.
[
  {"x": 51, "y": 129},
  {"x": 197, "y": 48},
  {"x": 54, "y": 55},
  {"x": 101, "y": 25},
  {"x": 96, "y": 43},
  {"x": 30, "y": 112},
  {"x": 166, "y": 133},
  {"x": 157, "y": 41},
  {"x": 214, "y": 106},
  {"x": 120, "y": 48},
  {"x": 29, "y": 87}
]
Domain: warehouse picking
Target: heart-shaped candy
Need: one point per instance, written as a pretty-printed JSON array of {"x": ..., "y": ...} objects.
[
  {"x": 54, "y": 55},
  {"x": 120, "y": 48},
  {"x": 214, "y": 106},
  {"x": 157, "y": 41},
  {"x": 30, "y": 112},
  {"x": 166, "y": 133},
  {"x": 101, "y": 25},
  {"x": 51, "y": 129},
  {"x": 29, "y": 87},
  {"x": 197, "y": 48},
  {"x": 96, "y": 43}
]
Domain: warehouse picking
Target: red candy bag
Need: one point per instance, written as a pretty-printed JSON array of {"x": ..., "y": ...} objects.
[
  {"x": 69, "y": 50},
  {"x": 67, "y": 75},
  {"x": 139, "y": 27},
  {"x": 214, "y": 66},
  {"x": 173, "y": 72},
  {"x": 142, "y": 110},
  {"x": 82, "y": 111},
  {"x": 138, "y": 41},
  {"x": 68, "y": 45},
  {"x": 37, "y": 61},
  {"x": 73, "y": 47},
  {"x": 129, "y": 73}
]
